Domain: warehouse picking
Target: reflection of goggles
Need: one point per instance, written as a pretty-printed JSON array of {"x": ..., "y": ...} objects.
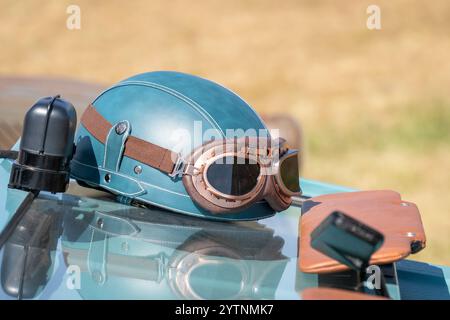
[
  {"x": 216, "y": 265},
  {"x": 221, "y": 176},
  {"x": 230, "y": 175},
  {"x": 215, "y": 271},
  {"x": 188, "y": 271}
]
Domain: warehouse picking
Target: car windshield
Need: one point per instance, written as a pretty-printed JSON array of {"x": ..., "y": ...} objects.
[{"x": 84, "y": 245}]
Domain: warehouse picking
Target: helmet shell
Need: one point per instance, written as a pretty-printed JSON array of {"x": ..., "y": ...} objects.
[{"x": 172, "y": 110}]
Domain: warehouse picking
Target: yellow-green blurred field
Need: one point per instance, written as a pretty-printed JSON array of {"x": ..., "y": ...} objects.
[{"x": 374, "y": 105}]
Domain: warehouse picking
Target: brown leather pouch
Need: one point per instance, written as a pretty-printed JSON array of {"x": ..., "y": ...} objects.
[{"x": 384, "y": 211}]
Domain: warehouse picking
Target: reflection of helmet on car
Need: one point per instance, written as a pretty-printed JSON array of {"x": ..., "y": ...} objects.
[
  {"x": 128, "y": 137},
  {"x": 165, "y": 255}
]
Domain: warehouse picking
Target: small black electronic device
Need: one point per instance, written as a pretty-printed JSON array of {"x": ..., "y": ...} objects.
[
  {"x": 346, "y": 240},
  {"x": 350, "y": 242}
]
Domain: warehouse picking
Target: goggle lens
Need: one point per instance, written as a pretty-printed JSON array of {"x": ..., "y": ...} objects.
[
  {"x": 233, "y": 176},
  {"x": 289, "y": 173}
]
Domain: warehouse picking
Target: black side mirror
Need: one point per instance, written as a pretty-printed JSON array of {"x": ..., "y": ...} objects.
[{"x": 46, "y": 147}]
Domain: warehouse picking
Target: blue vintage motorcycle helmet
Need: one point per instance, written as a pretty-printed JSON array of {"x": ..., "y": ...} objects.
[{"x": 126, "y": 140}]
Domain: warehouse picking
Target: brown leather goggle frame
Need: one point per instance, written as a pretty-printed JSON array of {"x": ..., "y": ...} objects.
[{"x": 268, "y": 187}]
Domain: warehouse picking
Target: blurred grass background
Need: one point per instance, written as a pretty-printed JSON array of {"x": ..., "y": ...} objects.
[{"x": 374, "y": 105}]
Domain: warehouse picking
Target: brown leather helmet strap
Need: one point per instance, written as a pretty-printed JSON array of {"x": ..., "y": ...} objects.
[{"x": 135, "y": 148}]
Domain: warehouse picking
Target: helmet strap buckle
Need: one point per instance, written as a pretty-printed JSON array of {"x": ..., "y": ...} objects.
[{"x": 178, "y": 168}]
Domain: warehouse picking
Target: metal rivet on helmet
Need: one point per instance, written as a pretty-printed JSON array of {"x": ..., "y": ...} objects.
[{"x": 121, "y": 127}]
